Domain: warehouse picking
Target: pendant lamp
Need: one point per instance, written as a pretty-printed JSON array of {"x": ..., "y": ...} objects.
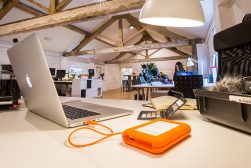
[{"x": 172, "y": 13}]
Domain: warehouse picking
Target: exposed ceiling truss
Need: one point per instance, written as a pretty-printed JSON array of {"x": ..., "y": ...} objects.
[
  {"x": 62, "y": 5},
  {"x": 85, "y": 13},
  {"x": 176, "y": 41},
  {"x": 90, "y": 37},
  {"x": 39, "y": 13},
  {"x": 39, "y": 5},
  {"x": 122, "y": 54},
  {"x": 151, "y": 59},
  {"x": 7, "y": 6},
  {"x": 55, "y": 15},
  {"x": 130, "y": 48}
]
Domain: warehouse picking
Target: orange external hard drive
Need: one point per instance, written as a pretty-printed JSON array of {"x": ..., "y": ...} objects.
[{"x": 157, "y": 135}]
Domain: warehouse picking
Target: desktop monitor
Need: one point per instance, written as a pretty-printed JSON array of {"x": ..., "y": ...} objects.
[
  {"x": 61, "y": 73},
  {"x": 91, "y": 73},
  {"x": 53, "y": 71},
  {"x": 6, "y": 67}
]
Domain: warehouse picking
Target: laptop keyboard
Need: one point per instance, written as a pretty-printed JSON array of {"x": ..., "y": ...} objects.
[{"x": 76, "y": 113}]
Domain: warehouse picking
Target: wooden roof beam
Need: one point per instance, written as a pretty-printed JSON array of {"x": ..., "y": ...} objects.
[
  {"x": 114, "y": 7},
  {"x": 29, "y": 9},
  {"x": 158, "y": 29},
  {"x": 175, "y": 50},
  {"x": 52, "y": 9},
  {"x": 124, "y": 53},
  {"x": 90, "y": 37},
  {"x": 62, "y": 5},
  {"x": 154, "y": 52},
  {"x": 130, "y": 48},
  {"x": 7, "y": 6},
  {"x": 120, "y": 27},
  {"x": 133, "y": 36},
  {"x": 107, "y": 41},
  {"x": 151, "y": 59},
  {"x": 134, "y": 22},
  {"x": 38, "y": 13},
  {"x": 39, "y": 5},
  {"x": 138, "y": 27}
]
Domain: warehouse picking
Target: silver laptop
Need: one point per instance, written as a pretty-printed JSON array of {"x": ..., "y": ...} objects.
[{"x": 33, "y": 76}]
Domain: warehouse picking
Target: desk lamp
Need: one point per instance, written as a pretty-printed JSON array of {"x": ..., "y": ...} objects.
[{"x": 191, "y": 61}]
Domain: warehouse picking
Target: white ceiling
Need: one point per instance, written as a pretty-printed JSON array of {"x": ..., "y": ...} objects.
[
  {"x": 208, "y": 8},
  {"x": 62, "y": 39}
]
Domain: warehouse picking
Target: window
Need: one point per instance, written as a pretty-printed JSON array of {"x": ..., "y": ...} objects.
[
  {"x": 75, "y": 71},
  {"x": 98, "y": 69},
  {"x": 126, "y": 71}
]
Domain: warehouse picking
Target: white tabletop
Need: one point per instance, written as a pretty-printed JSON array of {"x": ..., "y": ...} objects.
[
  {"x": 171, "y": 85},
  {"x": 147, "y": 85},
  {"x": 30, "y": 141},
  {"x": 63, "y": 81}
]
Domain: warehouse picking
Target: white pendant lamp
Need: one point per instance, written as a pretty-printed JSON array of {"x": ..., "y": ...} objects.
[{"x": 172, "y": 13}]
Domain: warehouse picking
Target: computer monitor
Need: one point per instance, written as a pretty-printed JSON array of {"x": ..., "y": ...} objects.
[
  {"x": 53, "y": 71},
  {"x": 6, "y": 67},
  {"x": 91, "y": 73},
  {"x": 61, "y": 74}
]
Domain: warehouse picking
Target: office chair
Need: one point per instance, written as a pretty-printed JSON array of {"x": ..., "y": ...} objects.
[{"x": 186, "y": 84}]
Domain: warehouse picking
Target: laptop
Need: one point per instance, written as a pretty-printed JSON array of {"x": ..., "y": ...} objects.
[{"x": 33, "y": 76}]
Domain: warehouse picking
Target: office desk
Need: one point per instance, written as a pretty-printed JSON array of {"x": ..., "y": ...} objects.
[
  {"x": 59, "y": 84},
  {"x": 148, "y": 86},
  {"x": 63, "y": 82},
  {"x": 29, "y": 141}
]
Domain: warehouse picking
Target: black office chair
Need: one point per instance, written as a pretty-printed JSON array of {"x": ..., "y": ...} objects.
[{"x": 186, "y": 84}]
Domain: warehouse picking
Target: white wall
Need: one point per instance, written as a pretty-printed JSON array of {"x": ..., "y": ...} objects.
[
  {"x": 3, "y": 56},
  {"x": 112, "y": 79},
  {"x": 74, "y": 61},
  {"x": 240, "y": 8},
  {"x": 112, "y": 73},
  {"x": 227, "y": 14},
  {"x": 203, "y": 58},
  {"x": 210, "y": 44},
  {"x": 53, "y": 59},
  {"x": 232, "y": 13}
]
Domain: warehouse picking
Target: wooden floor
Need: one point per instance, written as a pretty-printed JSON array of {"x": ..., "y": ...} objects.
[{"x": 118, "y": 94}]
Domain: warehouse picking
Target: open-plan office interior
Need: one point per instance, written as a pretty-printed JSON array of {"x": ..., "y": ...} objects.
[{"x": 119, "y": 83}]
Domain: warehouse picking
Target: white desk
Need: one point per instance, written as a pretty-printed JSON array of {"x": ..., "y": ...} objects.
[
  {"x": 90, "y": 87},
  {"x": 65, "y": 82},
  {"x": 59, "y": 86},
  {"x": 29, "y": 141},
  {"x": 149, "y": 86}
]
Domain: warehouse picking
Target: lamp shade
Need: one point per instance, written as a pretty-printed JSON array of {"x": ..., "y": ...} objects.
[
  {"x": 190, "y": 62},
  {"x": 172, "y": 13}
]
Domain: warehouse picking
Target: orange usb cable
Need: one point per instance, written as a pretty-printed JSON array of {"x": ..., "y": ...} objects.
[{"x": 91, "y": 122}]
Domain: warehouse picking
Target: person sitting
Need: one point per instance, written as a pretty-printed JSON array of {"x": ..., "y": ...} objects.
[
  {"x": 179, "y": 70},
  {"x": 134, "y": 79}
]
